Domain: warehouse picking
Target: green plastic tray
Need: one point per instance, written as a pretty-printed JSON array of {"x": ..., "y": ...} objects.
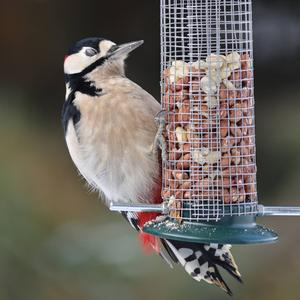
[{"x": 228, "y": 230}]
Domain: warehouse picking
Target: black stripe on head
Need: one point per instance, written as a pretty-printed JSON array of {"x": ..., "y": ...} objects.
[
  {"x": 92, "y": 42},
  {"x": 87, "y": 70},
  {"x": 87, "y": 42}
]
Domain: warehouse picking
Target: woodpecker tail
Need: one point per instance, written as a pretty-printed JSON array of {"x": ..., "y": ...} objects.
[{"x": 201, "y": 261}]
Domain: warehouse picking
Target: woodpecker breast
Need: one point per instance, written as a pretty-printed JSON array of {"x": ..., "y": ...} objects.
[{"x": 111, "y": 143}]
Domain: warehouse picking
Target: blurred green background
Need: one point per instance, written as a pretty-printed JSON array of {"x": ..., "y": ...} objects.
[{"x": 57, "y": 241}]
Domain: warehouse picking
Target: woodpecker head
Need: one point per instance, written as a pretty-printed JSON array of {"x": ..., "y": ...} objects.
[{"x": 97, "y": 55}]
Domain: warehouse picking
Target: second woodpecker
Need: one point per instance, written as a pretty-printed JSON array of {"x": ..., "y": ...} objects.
[{"x": 110, "y": 129}]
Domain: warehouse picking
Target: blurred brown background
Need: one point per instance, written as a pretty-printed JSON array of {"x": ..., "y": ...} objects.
[{"x": 56, "y": 239}]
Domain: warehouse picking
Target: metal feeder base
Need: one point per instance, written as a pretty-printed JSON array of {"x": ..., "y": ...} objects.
[{"x": 228, "y": 230}]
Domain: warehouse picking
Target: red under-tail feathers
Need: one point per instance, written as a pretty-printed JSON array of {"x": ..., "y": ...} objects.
[{"x": 150, "y": 242}]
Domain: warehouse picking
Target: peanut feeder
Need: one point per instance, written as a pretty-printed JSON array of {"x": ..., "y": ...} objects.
[{"x": 207, "y": 93}]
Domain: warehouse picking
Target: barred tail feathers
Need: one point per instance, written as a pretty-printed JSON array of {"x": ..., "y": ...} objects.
[{"x": 200, "y": 261}]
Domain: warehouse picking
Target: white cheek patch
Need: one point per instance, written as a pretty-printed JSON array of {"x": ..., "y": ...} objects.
[
  {"x": 104, "y": 47},
  {"x": 77, "y": 62}
]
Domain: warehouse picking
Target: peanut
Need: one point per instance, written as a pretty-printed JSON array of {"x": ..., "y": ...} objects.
[
  {"x": 183, "y": 112},
  {"x": 178, "y": 195},
  {"x": 227, "y": 143},
  {"x": 199, "y": 156},
  {"x": 223, "y": 93},
  {"x": 223, "y": 110},
  {"x": 234, "y": 194},
  {"x": 235, "y": 131},
  {"x": 174, "y": 155},
  {"x": 184, "y": 162},
  {"x": 181, "y": 134},
  {"x": 210, "y": 141},
  {"x": 196, "y": 87},
  {"x": 186, "y": 185},
  {"x": 213, "y": 157},
  {"x": 208, "y": 86},
  {"x": 223, "y": 128},
  {"x": 236, "y": 76},
  {"x": 225, "y": 160},
  {"x": 212, "y": 101},
  {"x": 228, "y": 84},
  {"x": 187, "y": 195},
  {"x": 236, "y": 156},
  {"x": 199, "y": 65},
  {"x": 186, "y": 148},
  {"x": 168, "y": 175},
  {"x": 180, "y": 175},
  {"x": 226, "y": 196},
  {"x": 202, "y": 184},
  {"x": 236, "y": 113},
  {"x": 215, "y": 61}
]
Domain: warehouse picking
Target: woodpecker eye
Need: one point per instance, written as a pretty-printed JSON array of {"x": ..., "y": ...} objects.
[{"x": 90, "y": 52}]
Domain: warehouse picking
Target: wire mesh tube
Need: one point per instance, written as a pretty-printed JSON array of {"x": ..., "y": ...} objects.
[
  {"x": 209, "y": 164},
  {"x": 207, "y": 93}
]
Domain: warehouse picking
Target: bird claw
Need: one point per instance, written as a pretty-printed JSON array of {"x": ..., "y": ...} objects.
[
  {"x": 159, "y": 140},
  {"x": 160, "y": 118}
]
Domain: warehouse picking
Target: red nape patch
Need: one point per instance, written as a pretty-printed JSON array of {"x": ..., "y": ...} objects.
[
  {"x": 65, "y": 57},
  {"x": 149, "y": 243}
]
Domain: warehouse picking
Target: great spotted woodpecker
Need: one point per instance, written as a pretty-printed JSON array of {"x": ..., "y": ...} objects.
[{"x": 110, "y": 130}]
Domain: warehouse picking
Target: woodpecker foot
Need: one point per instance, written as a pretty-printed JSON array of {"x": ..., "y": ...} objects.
[{"x": 159, "y": 140}]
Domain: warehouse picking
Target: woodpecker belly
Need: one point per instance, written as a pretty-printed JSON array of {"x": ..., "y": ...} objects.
[{"x": 112, "y": 143}]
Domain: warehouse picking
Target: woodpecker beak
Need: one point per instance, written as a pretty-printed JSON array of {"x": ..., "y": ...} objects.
[{"x": 124, "y": 49}]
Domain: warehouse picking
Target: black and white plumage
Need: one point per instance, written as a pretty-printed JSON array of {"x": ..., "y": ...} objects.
[
  {"x": 110, "y": 131},
  {"x": 200, "y": 261}
]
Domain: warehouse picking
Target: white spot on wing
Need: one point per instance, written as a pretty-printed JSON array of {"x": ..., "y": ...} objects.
[
  {"x": 198, "y": 253},
  {"x": 204, "y": 269},
  {"x": 174, "y": 250},
  {"x": 185, "y": 252},
  {"x": 191, "y": 266},
  {"x": 68, "y": 91}
]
